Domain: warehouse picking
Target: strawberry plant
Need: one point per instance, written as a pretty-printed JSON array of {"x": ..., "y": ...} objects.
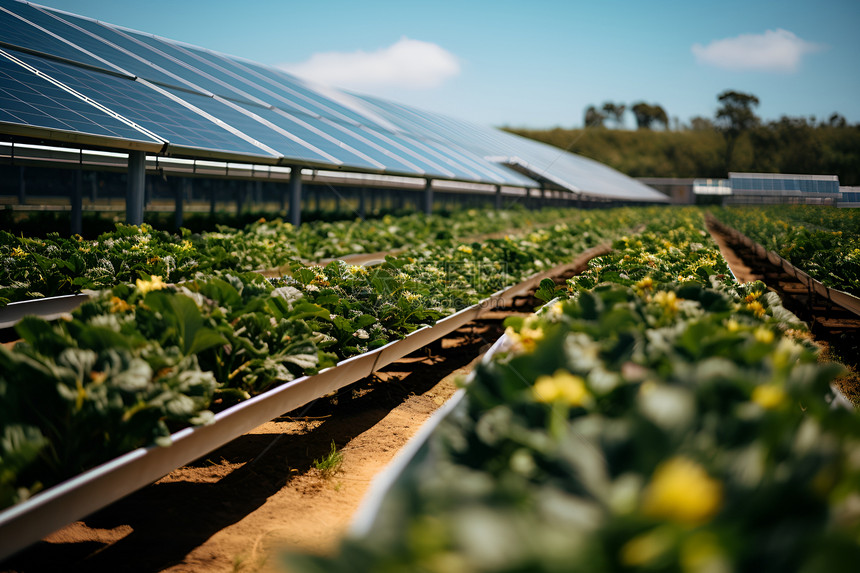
[{"x": 647, "y": 418}]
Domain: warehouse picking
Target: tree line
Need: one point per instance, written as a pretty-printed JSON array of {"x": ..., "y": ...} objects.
[{"x": 736, "y": 139}]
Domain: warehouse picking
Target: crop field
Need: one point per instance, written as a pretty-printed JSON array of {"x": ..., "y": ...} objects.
[{"x": 657, "y": 411}]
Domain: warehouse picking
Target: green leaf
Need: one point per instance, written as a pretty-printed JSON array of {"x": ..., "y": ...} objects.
[{"x": 547, "y": 290}]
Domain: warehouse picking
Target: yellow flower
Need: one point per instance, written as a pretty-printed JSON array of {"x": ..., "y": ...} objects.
[
  {"x": 357, "y": 270},
  {"x": 526, "y": 338},
  {"x": 557, "y": 309},
  {"x": 154, "y": 283},
  {"x": 763, "y": 335},
  {"x": 119, "y": 305},
  {"x": 733, "y": 325},
  {"x": 646, "y": 283},
  {"x": 19, "y": 252},
  {"x": 465, "y": 249},
  {"x": 752, "y": 296},
  {"x": 768, "y": 396},
  {"x": 561, "y": 387},
  {"x": 668, "y": 300},
  {"x": 756, "y": 307},
  {"x": 681, "y": 491}
]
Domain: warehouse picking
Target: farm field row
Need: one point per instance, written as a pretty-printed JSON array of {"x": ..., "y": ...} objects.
[
  {"x": 140, "y": 360},
  {"x": 821, "y": 241},
  {"x": 653, "y": 415},
  {"x": 36, "y": 268}
]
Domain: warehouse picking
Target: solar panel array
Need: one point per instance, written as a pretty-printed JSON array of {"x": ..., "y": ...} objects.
[{"x": 64, "y": 77}]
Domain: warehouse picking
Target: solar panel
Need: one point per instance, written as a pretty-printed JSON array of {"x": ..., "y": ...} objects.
[
  {"x": 29, "y": 100},
  {"x": 539, "y": 160},
  {"x": 146, "y": 107},
  {"x": 15, "y": 31},
  {"x": 259, "y": 113},
  {"x": 97, "y": 39}
]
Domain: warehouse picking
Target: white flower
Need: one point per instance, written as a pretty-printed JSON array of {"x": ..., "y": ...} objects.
[{"x": 361, "y": 334}]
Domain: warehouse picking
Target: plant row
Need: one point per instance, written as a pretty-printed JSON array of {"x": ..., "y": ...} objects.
[
  {"x": 821, "y": 241},
  {"x": 36, "y": 268},
  {"x": 647, "y": 418},
  {"x": 140, "y": 360}
]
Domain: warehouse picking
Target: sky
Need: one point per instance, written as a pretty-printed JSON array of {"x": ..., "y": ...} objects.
[{"x": 536, "y": 64}]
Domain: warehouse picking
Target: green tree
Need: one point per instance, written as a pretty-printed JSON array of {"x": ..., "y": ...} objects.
[
  {"x": 735, "y": 117},
  {"x": 648, "y": 115},
  {"x": 699, "y": 123},
  {"x": 594, "y": 117},
  {"x": 615, "y": 111}
]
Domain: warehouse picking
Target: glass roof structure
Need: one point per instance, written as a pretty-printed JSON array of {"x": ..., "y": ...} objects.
[{"x": 66, "y": 78}]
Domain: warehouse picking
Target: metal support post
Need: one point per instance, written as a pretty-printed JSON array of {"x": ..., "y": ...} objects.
[
  {"x": 498, "y": 197},
  {"x": 240, "y": 196},
  {"x": 295, "y": 196},
  {"x": 77, "y": 203},
  {"x": 428, "y": 197},
  {"x": 362, "y": 203},
  {"x": 180, "y": 189},
  {"x": 135, "y": 189}
]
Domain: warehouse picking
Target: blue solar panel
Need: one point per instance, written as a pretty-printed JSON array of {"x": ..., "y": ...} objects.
[
  {"x": 29, "y": 100},
  {"x": 81, "y": 32},
  {"x": 17, "y": 32},
  {"x": 264, "y": 112},
  {"x": 146, "y": 107},
  {"x": 260, "y": 131},
  {"x": 290, "y": 87},
  {"x": 544, "y": 161}
]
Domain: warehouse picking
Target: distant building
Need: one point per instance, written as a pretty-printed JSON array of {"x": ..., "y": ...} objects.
[
  {"x": 712, "y": 187},
  {"x": 849, "y": 197},
  {"x": 767, "y": 188}
]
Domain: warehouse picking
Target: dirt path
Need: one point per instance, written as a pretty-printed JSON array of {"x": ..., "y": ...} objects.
[{"x": 242, "y": 504}]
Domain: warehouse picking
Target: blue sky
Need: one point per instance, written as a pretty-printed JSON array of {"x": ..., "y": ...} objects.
[{"x": 539, "y": 63}]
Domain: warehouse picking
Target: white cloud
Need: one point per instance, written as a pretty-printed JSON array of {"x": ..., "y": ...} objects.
[
  {"x": 774, "y": 51},
  {"x": 407, "y": 63}
]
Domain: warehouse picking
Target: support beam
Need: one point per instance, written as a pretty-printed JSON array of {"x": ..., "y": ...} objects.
[
  {"x": 181, "y": 188},
  {"x": 498, "y": 198},
  {"x": 77, "y": 225},
  {"x": 136, "y": 187},
  {"x": 22, "y": 186},
  {"x": 362, "y": 203},
  {"x": 428, "y": 197},
  {"x": 240, "y": 195},
  {"x": 295, "y": 196}
]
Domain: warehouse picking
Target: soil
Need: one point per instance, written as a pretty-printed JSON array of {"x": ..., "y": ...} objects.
[{"x": 242, "y": 505}]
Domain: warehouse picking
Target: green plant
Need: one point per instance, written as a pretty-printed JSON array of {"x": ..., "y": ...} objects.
[{"x": 329, "y": 464}]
